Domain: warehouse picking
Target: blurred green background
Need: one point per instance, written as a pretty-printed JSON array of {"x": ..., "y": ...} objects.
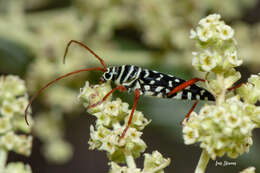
[{"x": 149, "y": 33}]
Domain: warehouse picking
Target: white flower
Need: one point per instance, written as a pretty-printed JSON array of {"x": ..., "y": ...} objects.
[
  {"x": 138, "y": 121},
  {"x": 204, "y": 34},
  {"x": 5, "y": 124},
  {"x": 218, "y": 113},
  {"x": 225, "y": 32},
  {"x": 7, "y": 109},
  {"x": 8, "y": 140},
  {"x": 112, "y": 108},
  {"x": 115, "y": 168},
  {"x": 207, "y": 60},
  {"x": 23, "y": 144},
  {"x": 206, "y": 111},
  {"x": 210, "y": 19},
  {"x": 190, "y": 135},
  {"x": 233, "y": 58},
  {"x": 155, "y": 162},
  {"x": 232, "y": 120},
  {"x": 102, "y": 119}
]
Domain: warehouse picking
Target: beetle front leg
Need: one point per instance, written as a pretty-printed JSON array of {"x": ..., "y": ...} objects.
[{"x": 119, "y": 87}]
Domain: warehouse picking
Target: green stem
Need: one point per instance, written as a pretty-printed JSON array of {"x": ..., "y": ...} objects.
[
  {"x": 220, "y": 98},
  {"x": 204, "y": 159},
  {"x": 130, "y": 161},
  {"x": 3, "y": 159},
  {"x": 161, "y": 167}
]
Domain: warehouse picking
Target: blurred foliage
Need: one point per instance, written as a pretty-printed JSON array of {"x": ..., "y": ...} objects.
[{"x": 152, "y": 34}]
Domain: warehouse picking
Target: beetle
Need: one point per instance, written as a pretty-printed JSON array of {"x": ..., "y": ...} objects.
[{"x": 139, "y": 80}]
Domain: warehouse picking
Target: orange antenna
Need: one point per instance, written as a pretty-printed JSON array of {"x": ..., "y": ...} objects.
[
  {"x": 86, "y": 47},
  {"x": 68, "y": 74},
  {"x": 53, "y": 81}
]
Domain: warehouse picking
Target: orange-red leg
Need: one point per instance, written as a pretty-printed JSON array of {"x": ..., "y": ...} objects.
[
  {"x": 191, "y": 82},
  {"x": 185, "y": 85},
  {"x": 236, "y": 86},
  {"x": 190, "y": 111},
  {"x": 119, "y": 87},
  {"x": 194, "y": 80},
  {"x": 137, "y": 96}
]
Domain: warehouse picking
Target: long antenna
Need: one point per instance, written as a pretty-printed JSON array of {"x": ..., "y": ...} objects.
[
  {"x": 68, "y": 74},
  {"x": 86, "y": 47},
  {"x": 53, "y": 81}
]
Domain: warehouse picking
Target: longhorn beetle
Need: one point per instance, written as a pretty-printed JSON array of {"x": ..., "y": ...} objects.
[{"x": 141, "y": 81}]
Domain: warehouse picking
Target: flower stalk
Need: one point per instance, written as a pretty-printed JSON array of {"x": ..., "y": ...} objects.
[
  {"x": 3, "y": 159},
  {"x": 204, "y": 159},
  {"x": 130, "y": 161}
]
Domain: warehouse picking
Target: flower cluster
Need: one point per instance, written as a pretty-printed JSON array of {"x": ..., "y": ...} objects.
[
  {"x": 217, "y": 45},
  {"x": 226, "y": 128},
  {"x": 13, "y": 100},
  {"x": 250, "y": 92},
  {"x": 112, "y": 117}
]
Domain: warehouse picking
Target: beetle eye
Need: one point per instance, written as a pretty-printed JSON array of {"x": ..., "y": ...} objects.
[{"x": 107, "y": 75}]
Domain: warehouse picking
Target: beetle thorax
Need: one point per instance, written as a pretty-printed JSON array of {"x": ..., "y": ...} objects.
[{"x": 122, "y": 75}]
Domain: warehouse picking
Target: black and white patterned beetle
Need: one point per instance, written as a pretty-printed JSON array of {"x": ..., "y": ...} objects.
[
  {"x": 153, "y": 83},
  {"x": 141, "y": 81}
]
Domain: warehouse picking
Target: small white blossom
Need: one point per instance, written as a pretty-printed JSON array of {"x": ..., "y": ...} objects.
[
  {"x": 210, "y": 19},
  {"x": 204, "y": 34},
  {"x": 155, "y": 162},
  {"x": 23, "y": 144},
  {"x": 112, "y": 108},
  {"x": 5, "y": 124},
  {"x": 250, "y": 92},
  {"x": 191, "y": 135},
  {"x": 7, "y": 108},
  {"x": 233, "y": 58},
  {"x": 225, "y": 32},
  {"x": 8, "y": 140},
  {"x": 115, "y": 168},
  {"x": 207, "y": 61}
]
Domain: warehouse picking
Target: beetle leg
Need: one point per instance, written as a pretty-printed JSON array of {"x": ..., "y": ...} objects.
[
  {"x": 119, "y": 87},
  {"x": 137, "y": 96}
]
